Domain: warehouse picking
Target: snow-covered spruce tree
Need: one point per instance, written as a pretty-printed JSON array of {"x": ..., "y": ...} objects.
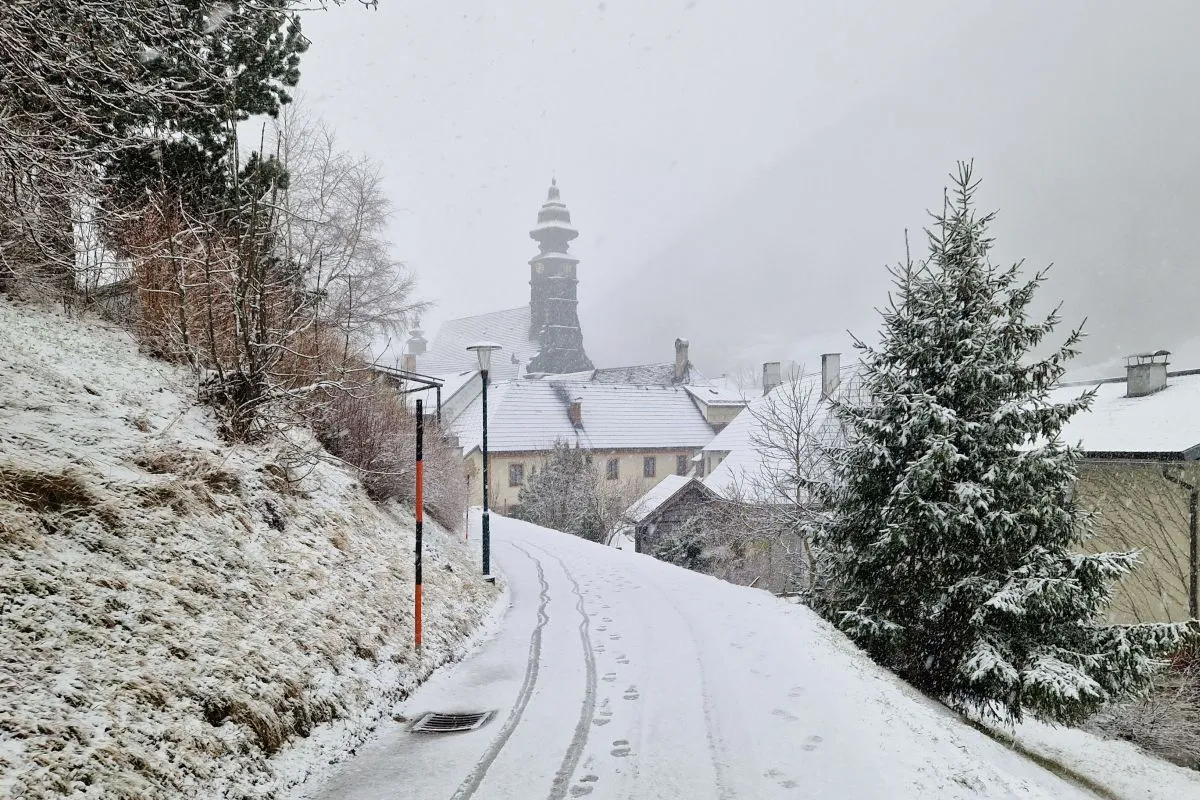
[{"x": 957, "y": 551}]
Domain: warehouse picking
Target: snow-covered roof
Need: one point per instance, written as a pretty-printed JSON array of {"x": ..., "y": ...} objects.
[
  {"x": 453, "y": 382},
  {"x": 530, "y": 416},
  {"x": 660, "y": 495},
  {"x": 1166, "y": 423},
  {"x": 652, "y": 500},
  {"x": 713, "y": 394},
  {"x": 650, "y": 374},
  {"x": 570, "y": 377},
  {"x": 662, "y": 374},
  {"x": 743, "y": 461},
  {"x": 508, "y": 328},
  {"x": 737, "y": 435},
  {"x": 744, "y": 465}
]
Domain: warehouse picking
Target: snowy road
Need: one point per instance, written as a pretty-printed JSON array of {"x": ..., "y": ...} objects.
[{"x": 616, "y": 676}]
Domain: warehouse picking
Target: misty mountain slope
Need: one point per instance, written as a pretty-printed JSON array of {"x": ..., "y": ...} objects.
[
  {"x": 1080, "y": 141},
  {"x": 183, "y": 618}
]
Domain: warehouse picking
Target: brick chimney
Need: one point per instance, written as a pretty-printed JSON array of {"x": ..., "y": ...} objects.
[
  {"x": 771, "y": 376},
  {"x": 831, "y": 374},
  {"x": 681, "y": 360},
  {"x": 408, "y": 362},
  {"x": 1145, "y": 373},
  {"x": 575, "y": 412}
]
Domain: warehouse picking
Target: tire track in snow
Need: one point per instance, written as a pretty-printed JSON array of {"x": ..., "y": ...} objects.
[
  {"x": 469, "y": 786},
  {"x": 562, "y": 779},
  {"x": 716, "y": 744}
]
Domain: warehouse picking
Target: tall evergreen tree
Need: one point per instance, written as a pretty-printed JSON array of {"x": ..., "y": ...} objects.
[{"x": 957, "y": 551}]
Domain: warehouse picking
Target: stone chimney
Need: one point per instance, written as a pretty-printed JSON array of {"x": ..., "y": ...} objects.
[
  {"x": 681, "y": 360},
  {"x": 575, "y": 412},
  {"x": 771, "y": 376},
  {"x": 1145, "y": 373},
  {"x": 831, "y": 374},
  {"x": 408, "y": 362}
]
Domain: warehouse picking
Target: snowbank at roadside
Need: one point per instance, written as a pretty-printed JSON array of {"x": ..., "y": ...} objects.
[
  {"x": 183, "y": 618},
  {"x": 1120, "y": 768}
]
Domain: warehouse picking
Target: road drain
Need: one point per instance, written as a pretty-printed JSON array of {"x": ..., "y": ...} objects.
[{"x": 452, "y": 723}]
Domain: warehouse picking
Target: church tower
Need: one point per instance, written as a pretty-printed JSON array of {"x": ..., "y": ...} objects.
[{"x": 553, "y": 319}]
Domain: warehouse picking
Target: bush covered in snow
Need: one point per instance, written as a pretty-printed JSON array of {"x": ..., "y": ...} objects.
[
  {"x": 1167, "y": 721},
  {"x": 180, "y": 613},
  {"x": 567, "y": 493}
]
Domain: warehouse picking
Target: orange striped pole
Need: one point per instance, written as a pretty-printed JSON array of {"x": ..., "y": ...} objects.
[{"x": 420, "y": 512}]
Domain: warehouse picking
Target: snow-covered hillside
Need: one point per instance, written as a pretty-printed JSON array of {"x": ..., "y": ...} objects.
[{"x": 180, "y": 616}]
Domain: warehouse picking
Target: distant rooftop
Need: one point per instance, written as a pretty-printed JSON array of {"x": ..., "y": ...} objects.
[
  {"x": 1164, "y": 425},
  {"x": 744, "y": 465},
  {"x": 530, "y": 416},
  {"x": 508, "y": 328},
  {"x": 662, "y": 374}
]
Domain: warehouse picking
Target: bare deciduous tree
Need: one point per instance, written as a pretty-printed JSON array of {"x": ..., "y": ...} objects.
[
  {"x": 1138, "y": 508},
  {"x": 333, "y": 231},
  {"x": 761, "y": 532}
]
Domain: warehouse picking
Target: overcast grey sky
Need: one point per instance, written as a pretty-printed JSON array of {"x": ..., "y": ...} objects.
[{"x": 742, "y": 172}]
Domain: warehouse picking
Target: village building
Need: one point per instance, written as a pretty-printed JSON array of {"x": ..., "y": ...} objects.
[
  {"x": 734, "y": 462},
  {"x": 636, "y": 435},
  {"x": 1141, "y": 474},
  {"x": 718, "y": 402},
  {"x": 639, "y": 423},
  {"x": 663, "y": 511},
  {"x": 543, "y": 337},
  {"x": 735, "y": 479}
]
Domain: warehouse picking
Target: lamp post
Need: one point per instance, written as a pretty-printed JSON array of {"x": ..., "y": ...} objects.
[{"x": 484, "y": 350}]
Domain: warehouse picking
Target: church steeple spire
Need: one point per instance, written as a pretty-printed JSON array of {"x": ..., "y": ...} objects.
[{"x": 552, "y": 290}]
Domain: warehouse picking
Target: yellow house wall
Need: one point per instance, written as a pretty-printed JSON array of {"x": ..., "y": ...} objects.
[
  {"x": 1139, "y": 509},
  {"x": 502, "y": 496}
]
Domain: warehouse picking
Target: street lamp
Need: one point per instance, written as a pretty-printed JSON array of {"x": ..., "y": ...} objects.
[{"x": 484, "y": 350}]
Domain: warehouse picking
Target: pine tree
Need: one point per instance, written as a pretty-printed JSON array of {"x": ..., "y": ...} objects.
[
  {"x": 957, "y": 552},
  {"x": 246, "y": 57}
]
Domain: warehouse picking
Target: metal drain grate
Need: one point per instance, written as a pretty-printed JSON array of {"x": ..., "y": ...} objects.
[{"x": 452, "y": 723}]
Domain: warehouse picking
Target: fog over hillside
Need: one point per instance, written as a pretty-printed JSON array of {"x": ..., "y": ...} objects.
[{"x": 742, "y": 176}]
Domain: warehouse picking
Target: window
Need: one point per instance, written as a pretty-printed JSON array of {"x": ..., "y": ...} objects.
[
  {"x": 681, "y": 465},
  {"x": 649, "y": 466},
  {"x": 612, "y": 470},
  {"x": 516, "y": 474}
]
